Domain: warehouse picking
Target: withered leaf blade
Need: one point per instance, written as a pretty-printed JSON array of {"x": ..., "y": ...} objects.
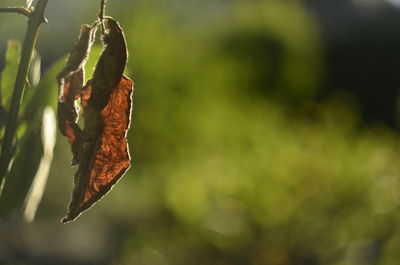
[
  {"x": 78, "y": 55},
  {"x": 67, "y": 113},
  {"x": 111, "y": 65},
  {"x": 105, "y": 158},
  {"x": 70, "y": 81},
  {"x": 106, "y": 101}
]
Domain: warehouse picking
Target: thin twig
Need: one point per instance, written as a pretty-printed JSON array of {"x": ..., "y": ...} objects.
[
  {"x": 36, "y": 18},
  {"x": 19, "y": 10},
  {"x": 101, "y": 14}
]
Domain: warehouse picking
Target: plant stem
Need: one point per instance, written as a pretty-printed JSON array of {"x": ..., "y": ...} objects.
[
  {"x": 36, "y": 18},
  {"x": 101, "y": 14},
  {"x": 19, "y": 10}
]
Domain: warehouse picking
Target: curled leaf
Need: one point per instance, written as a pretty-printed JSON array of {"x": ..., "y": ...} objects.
[
  {"x": 105, "y": 157},
  {"x": 79, "y": 54},
  {"x": 103, "y": 154},
  {"x": 70, "y": 81}
]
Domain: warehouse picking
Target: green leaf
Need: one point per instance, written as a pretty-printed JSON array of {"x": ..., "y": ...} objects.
[
  {"x": 34, "y": 79},
  {"x": 46, "y": 92},
  {"x": 13, "y": 55},
  {"x": 25, "y": 182},
  {"x": 23, "y": 171},
  {"x": 35, "y": 69},
  {"x": 48, "y": 136}
]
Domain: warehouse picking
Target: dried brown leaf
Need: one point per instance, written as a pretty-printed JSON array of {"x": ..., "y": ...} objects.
[
  {"x": 70, "y": 81},
  {"x": 78, "y": 55},
  {"x": 106, "y": 101}
]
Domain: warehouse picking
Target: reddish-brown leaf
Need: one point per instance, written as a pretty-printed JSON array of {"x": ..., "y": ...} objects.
[
  {"x": 106, "y": 102},
  {"x": 105, "y": 158}
]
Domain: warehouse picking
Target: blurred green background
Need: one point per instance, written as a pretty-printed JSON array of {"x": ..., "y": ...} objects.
[{"x": 260, "y": 135}]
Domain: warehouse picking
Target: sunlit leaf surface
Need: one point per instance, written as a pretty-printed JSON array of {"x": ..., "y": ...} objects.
[
  {"x": 101, "y": 148},
  {"x": 9, "y": 74},
  {"x": 48, "y": 137}
]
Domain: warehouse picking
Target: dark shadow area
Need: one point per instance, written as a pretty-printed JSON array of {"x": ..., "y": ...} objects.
[{"x": 362, "y": 56}]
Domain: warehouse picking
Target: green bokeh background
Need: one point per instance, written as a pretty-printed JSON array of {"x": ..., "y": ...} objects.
[{"x": 234, "y": 162}]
